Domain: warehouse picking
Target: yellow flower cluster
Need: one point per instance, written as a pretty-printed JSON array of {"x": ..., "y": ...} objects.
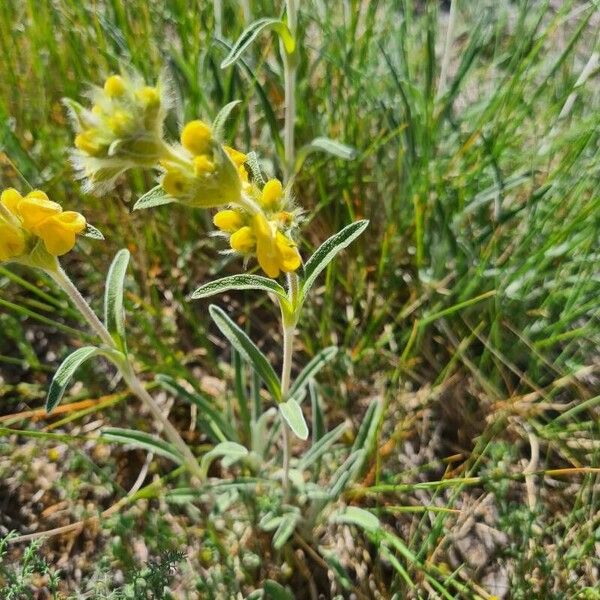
[
  {"x": 202, "y": 172},
  {"x": 261, "y": 233},
  {"x": 122, "y": 130},
  {"x": 23, "y": 219}
]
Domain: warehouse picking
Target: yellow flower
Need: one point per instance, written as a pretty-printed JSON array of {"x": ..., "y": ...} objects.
[
  {"x": 228, "y": 220},
  {"x": 275, "y": 252},
  {"x": 35, "y": 216},
  {"x": 203, "y": 164},
  {"x": 12, "y": 241},
  {"x": 271, "y": 195},
  {"x": 122, "y": 129},
  {"x": 114, "y": 86},
  {"x": 196, "y": 137},
  {"x": 243, "y": 240}
]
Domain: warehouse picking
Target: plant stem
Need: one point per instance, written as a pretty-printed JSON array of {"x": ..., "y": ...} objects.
[
  {"x": 289, "y": 330},
  {"x": 126, "y": 368},
  {"x": 289, "y": 73}
]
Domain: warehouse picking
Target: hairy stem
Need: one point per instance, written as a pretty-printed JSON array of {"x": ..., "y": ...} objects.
[
  {"x": 289, "y": 72},
  {"x": 289, "y": 330},
  {"x": 126, "y": 369}
]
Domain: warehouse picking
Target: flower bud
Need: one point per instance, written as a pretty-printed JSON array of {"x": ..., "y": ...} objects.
[
  {"x": 243, "y": 240},
  {"x": 228, "y": 220},
  {"x": 196, "y": 137},
  {"x": 271, "y": 195}
]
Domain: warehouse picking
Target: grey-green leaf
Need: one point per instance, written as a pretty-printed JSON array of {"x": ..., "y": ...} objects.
[
  {"x": 327, "y": 252},
  {"x": 325, "y": 144},
  {"x": 275, "y": 591},
  {"x": 285, "y": 529},
  {"x": 312, "y": 368},
  {"x": 67, "y": 369},
  {"x": 229, "y": 450},
  {"x": 91, "y": 232},
  {"x": 292, "y": 413},
  {"x": 114, "y": 317},
  {"x": 354, "y": 515},
  {"x": 155, "y": 197},
  {"x": 250, "y": 34},
  {"x": 219, "y": 122},
  {"x": 246, "y": 347},
  {"x": 239, "y": 282},
  {"x": 141, "y": 439}
]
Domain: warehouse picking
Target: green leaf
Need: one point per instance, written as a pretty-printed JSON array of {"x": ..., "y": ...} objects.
[
  {"x": 346, "y": 473},
  {"x": 285, "y": 529},
  {"x": 327, "y": 252},
  {"x": 239, "y": 282},
  {"x": 210, "y": 419},
  {"x": 368, "y": 428},
  {"x": 292, "y": 413},
  {"x": 246, "y": 347},
  {"x": 324, "y": 144},
  {"x": 141, "y": 439},
  {"x": 276, "y": 591},
  {"x": 250, "y": 34},
  {"x": 312, "y": 368},
  {"x": 155, "y": 197},
  {"x": 91, "y": 232},
  {"x": 254, "y": 166},
  {"x": 229, "y": 450},
  {"x": 219, "y": 122},
  {"x": 320, "y": 447},
  {"x": 114, "y": 317},
  {"x": 353, "y": 515},
  {"x": 67, "y": 369}
]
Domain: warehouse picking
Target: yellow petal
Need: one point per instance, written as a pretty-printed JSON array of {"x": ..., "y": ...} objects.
[
  {"x": 71, "y": 221},
  {"x": 148, "y": 96},
  {"x": 196, "y": 137},
  {"x": 11, "y": 198},
  {"x": 289, "y": 256},
  {"x": 35, "y": 209},
  {"x": 262, "y": 227},
  {"x": 228, "y": 220},
  {"x": 238, "y": 158},
  {"x": 88, "y": 142},
  {"x": 271, "y": 194},
  {"x": 58, "y": 237},
  {"x": 243, "y": 240},
  {"x": 203, "y": 164},
  {"x": 12, "y": 241},
  {"x": 114, "y": 86},
  {"x": 267, "y": 256}
]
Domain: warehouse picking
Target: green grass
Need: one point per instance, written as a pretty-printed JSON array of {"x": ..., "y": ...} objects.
[{"x": 471, "y": 304}]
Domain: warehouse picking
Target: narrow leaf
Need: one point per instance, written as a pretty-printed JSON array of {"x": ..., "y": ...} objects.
[
  {"x": 311, "y": 369},
  {"x": 275, "y": 591},
  {"x": 210, "y": 419},
  {"x": 246, "y": 347},
  {"x": 292, "y": 413},
  {"x": 239, "y": 282},
  {"x": 155, "y": 197},
  {"x": 114, "y": 317},
  {"x": 219, "y": 122},
  {"x": 354, "y": 515},
  {"x": 322, "y": 446},
  {"x": 324, "y": 144},
  {"x": 251, "y": 33},
  {"x": 230, "y": 450},
  {"x": 141, "y": 439},
  {"x": 67, "y": 369},
  {"x": 91, "y": 232},
  {"x": 327, "y": 252},
  {"x": 285, "y": 529}
]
